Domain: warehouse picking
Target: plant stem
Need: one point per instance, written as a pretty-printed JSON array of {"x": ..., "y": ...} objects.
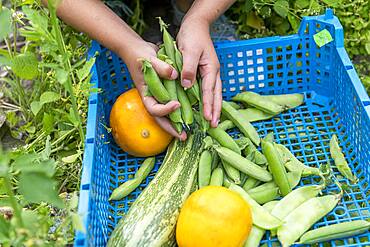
[
  {"x": 9, "y": 190},
  {"x": 67, "y": 65}
]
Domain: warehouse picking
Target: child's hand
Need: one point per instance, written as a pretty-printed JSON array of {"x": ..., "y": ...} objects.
[
  {"x": 195, "y": 43},
  {"x": 142, "y": 49}
]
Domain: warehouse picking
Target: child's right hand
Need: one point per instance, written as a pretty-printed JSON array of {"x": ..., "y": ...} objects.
[{"x": 142, "y": 49}]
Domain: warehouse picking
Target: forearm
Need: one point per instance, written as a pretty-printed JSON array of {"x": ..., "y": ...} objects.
[
  {"x": 207, "y": 11},
  {"x": 100, "y": 23}
]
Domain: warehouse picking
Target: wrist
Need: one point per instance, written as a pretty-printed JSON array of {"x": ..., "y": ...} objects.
[{"x": 129, "y": 52}]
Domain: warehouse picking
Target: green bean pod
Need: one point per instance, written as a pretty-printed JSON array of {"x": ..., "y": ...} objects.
[
  {"x": 127, "y": 187},
  {"x": 186, "y": 110},
  {"x": 264, "y": 196},
  {"x": 224, "y": 139},
  {"x": 254, "y": 114},
  {"x": 203, "y": 122},
  {"x": 261, "y": 217},
  {"x": 293, "y": 164},
  {"x": 244, "y": 126},
  {"x": 340, "y": 160},
  {"x": 251, "y": 183},
  {"x": 231, "y": 171},
  {"x": 226, "y": 183},
  {"x": 194, "y": 90},
  {"x": 192, "y": 99},
  {"x": 167, "y": 40},
  {"x": 294, "y": 199},
  {"x": 226, "y": 125},
  {"x": 170, "y": 85},
  {"x": 276, "y": 167},
  {"x": 242, "y": 143},
  {"x": 204, "y": 170},
  {"x": 215, "y": 160},
  {"x": 154, "y": 83},
  {"x": 286, "y": 100},
  {"x": 335, "y": 231},
  {"x": 217, "y": 177},
  {"x": 256, "y": 100},
  {"x": 243, "y": 164},
  {"x": 256, "y": 234},
  {"x": 234, "y": 105},
  {"x": 253, "y": 154},
  {"x": 308, "y": 214}
]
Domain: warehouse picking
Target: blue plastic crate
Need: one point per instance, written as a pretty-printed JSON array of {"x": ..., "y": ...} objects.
[{"x": 335, "y": 102}]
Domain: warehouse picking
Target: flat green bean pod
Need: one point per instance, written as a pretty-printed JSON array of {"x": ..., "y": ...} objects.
[
  {"x": 254, "y": 114},
  {"x": 293, "y": 164},
  {"x": 261, "y": 217},
  {"x": 244, "y": 125},
  {"x": 308, "y": 214},
  {"x": 294, "y": 199},
  {"x": 256, "y": 100},
  {"x": 226, "y": 183},
  {"x": 340, "y": 160},
  {"x": 340, "y": 230},
  {"x": 256, "y": 234},
  {"x": 243, "y": 164},
  {"x": 234, "y": 105},
  {"x": 186, "y": 110},
  {"x": 286, "y": 100},
  {"x": 167, "y": 40}
]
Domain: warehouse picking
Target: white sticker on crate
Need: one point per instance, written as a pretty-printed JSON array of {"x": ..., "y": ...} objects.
[
  {"x": 251, "y": 78},
  {"x": 249, "y": 53},
  {"x": 260, "y": 69},
  {"x": 259, "y": 60},
  {"x": 231, "y": 81},
  {"x": 250, "y": 70},
  {"x": 249, "y": 62},
  {"x": 240, "y": 54},
  {"x": 261, "y": 84},
  {"x": 240, "y": 72},
  {"x": 240, "y": 63},
  {"x": 252, "y": 86},
  {"x": 259, "y": 51},
  {"x": 241, "y": 80},
  {"x": 230, "y": 65},
  {"x": 261, "y": 77},
  {"x": 231, "y": 73}
]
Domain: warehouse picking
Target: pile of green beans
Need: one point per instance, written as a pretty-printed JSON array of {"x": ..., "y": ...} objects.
[{"x": 263, "y": 172}]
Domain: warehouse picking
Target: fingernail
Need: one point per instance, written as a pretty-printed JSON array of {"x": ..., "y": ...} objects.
[
  {"x": 186, "y": 83},
  {"x": 176, "y": 105},
  {"x": 173, "y": 74}
]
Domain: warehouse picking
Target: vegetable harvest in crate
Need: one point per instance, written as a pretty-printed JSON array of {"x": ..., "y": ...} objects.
[{"x": 219, "y": 188}]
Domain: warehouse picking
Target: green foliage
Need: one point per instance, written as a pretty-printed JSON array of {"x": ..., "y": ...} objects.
[{"x": 259, "y": 18}]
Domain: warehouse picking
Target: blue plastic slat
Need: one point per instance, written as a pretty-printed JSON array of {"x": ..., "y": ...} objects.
[{"x": 335, "y": 102}]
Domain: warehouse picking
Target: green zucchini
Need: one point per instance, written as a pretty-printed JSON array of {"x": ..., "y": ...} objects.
[{"x": 151, "y": 219}]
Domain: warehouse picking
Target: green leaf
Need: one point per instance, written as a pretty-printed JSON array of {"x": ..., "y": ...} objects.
[
  {"x": 4, "y": 229},
  {"x": 302, "y": 4},
  {"x": 72, "y": 117},
  {"x": 248, "y": 5},
  {"x": 48, "y": 97},
  {"x": 294, "y": 22},
  {"x": 36, "y": 107},
  {"x": 332, "y": 3},
  {"x": 254, "y": 21},
  {"x": 47, "y": 123},
  {"x": 36, "y": 187},
  {"x": 6, "y": 23},
  {"x": 30, "y": 220},
  {"x": 265, "y": 11},
  {"x": 281, "y": 7},
  {"x": 85, "y": 70},
  {"x": 71, "y": 158},
  {"x": 77, "y": 222},
  {"x": 5, "y": 61},
  {"x": 25, "y": 66},
  {"x": 61, "y": 75},
  {"x": 45, "y": 154},
  {"x": 367, "y": 48},
  {"x": 24, "y": 160},
  {"x": 322, "y": 38}
]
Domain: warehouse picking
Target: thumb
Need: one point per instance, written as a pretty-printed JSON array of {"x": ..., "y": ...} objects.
[
  {"x": 163, "y": 69},
  {"x": 189, "y": 69}
]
